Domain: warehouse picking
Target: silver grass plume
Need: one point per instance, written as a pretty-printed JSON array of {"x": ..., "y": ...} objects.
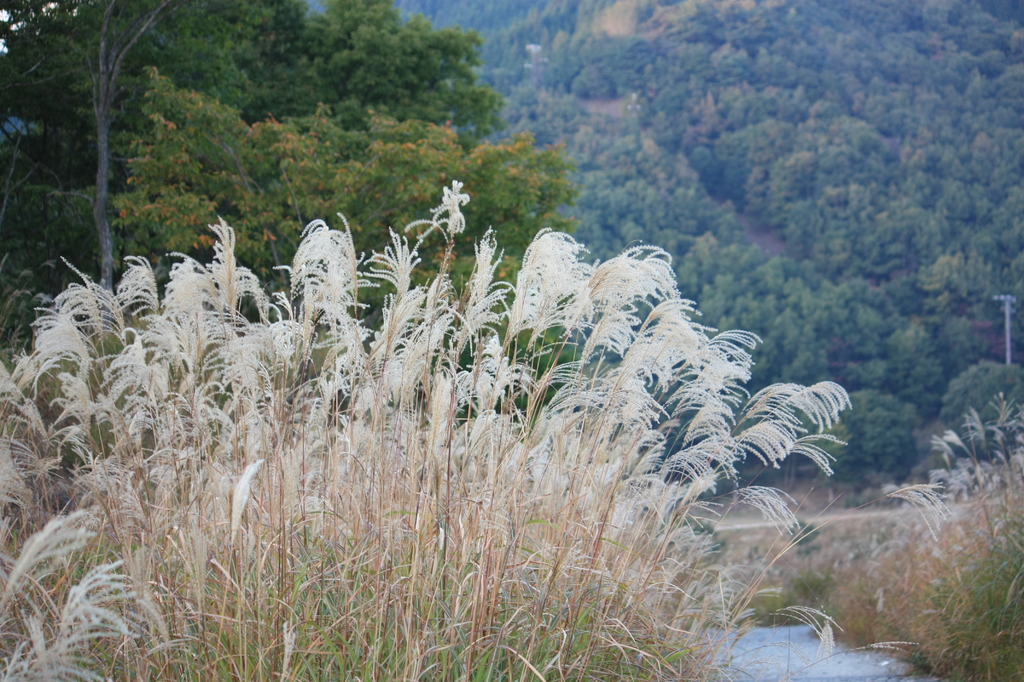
[
  {"x": 240, "y": 495},
  {"x": 447, "y": 217},
  {"x": 60, "y": 537},
  {"x": 55, "y": 639},
  {"x": 926, "y": 498},
  {"x": 640, "y": 357},
  {"x": 584, "y": 394}
]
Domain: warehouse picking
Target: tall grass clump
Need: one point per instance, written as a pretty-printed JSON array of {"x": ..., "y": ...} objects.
[
  {"x": 960, "y": 596},
  {"x": 16, "y": 304},
  {"x": 48, "y": 640},
  {"x": 491, "y": 481}
]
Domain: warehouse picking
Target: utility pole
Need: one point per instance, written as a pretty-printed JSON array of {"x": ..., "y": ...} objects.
[{"x": 1008, "y": 301}]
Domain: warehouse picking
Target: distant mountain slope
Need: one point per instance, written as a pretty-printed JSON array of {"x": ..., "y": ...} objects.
[
  {"x": 486, "y": 17},
  {"x": 878, "y": 144}
]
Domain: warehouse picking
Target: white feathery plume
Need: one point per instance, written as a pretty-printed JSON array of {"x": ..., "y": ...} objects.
[
  {"x": 549, "y": 284},
  {"x": 926, "y": 499},
  {"x": 234, "y": 281},
  {"x": 86, "y": 616},
  {"x": 665, "y": 346},
  {"x": 451, "y": 202},
  {"x": 23, "y": 411},
  {"x": 190, "y": 291},
  {"x": 974, "y": 428},
  {"x": 822, "y": 625},
  {"x": 93, "y": 308},
  {"x": 961, "y": 477},
  {"x": 425, "y": 341},
  {"x": 289, "y": 648},
  {"x": 486, "y": 305},
  {"x": 616, "y": 289},
  {"x": 773, "y": 504},
  {"x": 134, "y": 382},
  {"x": 58, "y": 538},
  {"x": 447, "y": 217},
  {"x": 65, "y": 332},
  {"x": 325, "y": 281},
  {"x": 12, "y": 480},
  {"x": 240, "y": 495},
  {"x": 807, "y": 446},
  {"x": 136, "y": 291},
  {"x": 493, "y": 375},
  {"x": 395, "y": 264},
  {"x": 774, "y": 424}
]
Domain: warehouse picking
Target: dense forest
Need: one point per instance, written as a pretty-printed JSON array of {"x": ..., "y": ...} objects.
[{"x": 845, "y": 179}]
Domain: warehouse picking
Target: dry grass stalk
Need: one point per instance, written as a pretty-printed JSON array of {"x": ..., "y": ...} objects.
[
  {"x": 479, "y": 487},
  {"x": 958, "y": 597}
]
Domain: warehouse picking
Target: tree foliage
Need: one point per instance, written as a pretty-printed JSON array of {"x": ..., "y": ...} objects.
[
  {"x": 360, "y": 56},
  {"x": 881, "y": 443},
  {"x": 199, "y": 161},
  {"x": 267, "y": 58},
  {"x": 978, "y": 387}
]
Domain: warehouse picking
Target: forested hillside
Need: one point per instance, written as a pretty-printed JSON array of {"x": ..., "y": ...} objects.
[{"x": 844, "y": 178}]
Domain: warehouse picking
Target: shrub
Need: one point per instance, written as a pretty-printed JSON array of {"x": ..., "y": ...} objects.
[
  {"x": 977, "y": 386},
  {"x": 464, "y": 484},
  {"x": 959, "y": 597}
]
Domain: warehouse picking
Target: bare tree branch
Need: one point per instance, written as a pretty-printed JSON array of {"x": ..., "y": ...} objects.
[
  {"x": 71, "y": 193},
  {"x": 45, "y": 79}
]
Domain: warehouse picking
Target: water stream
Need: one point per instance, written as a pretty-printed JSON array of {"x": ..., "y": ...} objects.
[{"x": 787, "y": 653}]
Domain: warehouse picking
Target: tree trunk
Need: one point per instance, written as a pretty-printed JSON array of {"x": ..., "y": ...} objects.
[
  {"x": 99, "y": 204},
  {"x": 115, "y": 43}
]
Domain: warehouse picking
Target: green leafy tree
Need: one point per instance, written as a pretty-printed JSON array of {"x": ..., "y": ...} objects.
[
  {"x": 881, "y": 443},
  {"x": 200, "y": 160},
  {"x": 46, "y": 155},
  {"x": 359, "y": 56},
  {"x": 63, "y": 157},
  {"x": 69, "y": 74},
  {"x": 978, "y": 386}
]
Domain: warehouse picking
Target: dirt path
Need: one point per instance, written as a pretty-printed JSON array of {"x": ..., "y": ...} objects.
[{"x": 819, "y": 520}]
